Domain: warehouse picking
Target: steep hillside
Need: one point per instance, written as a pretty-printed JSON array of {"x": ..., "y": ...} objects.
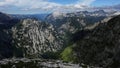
[
  {"x": 101, "y": 47},
  {"x": 6, "y": 23}
]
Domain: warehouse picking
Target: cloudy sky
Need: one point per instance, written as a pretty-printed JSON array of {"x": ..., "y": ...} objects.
[{"x": 46, "y": 6}]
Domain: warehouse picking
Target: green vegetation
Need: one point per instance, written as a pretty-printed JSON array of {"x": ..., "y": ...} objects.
[{"x": 67, "y": 54}]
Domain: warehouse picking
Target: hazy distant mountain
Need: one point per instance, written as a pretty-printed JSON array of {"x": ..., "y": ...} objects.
[
  {"x": 33, "y": 16},
  {"x": 59, "y": 18}
]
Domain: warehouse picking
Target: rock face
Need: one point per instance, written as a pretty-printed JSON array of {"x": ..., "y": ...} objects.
[
  {"x": 101, "y": 46},
  {"x": 34, "y": 37}
]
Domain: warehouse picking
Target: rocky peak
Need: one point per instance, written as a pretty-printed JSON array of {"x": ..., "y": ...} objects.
[{"x": 35, "y": 37}]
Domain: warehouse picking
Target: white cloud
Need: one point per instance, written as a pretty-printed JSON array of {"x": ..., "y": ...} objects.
[
  {"x": 45, "y": 4},
  {"x": 86, "y": 2}
]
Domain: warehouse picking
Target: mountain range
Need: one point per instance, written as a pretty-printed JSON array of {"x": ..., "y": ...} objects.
[{"x": 80, "y": 37}]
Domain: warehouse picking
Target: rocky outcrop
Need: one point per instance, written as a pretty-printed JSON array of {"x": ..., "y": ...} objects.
[{"x": 34, "y": 37}]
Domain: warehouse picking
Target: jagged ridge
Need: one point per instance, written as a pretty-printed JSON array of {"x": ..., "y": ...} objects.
[{"x": 35, "y": 37}]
